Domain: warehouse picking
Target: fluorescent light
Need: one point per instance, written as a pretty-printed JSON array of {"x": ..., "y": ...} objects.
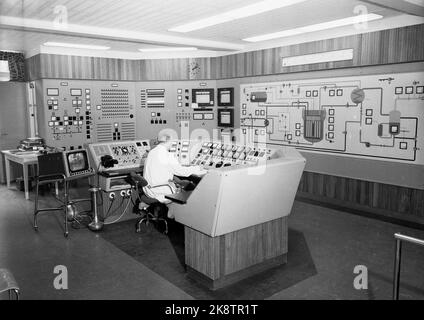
[
  {"x": 4, "y": 70},
  {"x": 12, "y": 51},
  {"x": 329, "y": 56},
  {"x": 316, "y": 27},
  {"x": 76, "y": 46},
  {"x": 247, "y": 11},
  {"x": 168, "y": 49}
]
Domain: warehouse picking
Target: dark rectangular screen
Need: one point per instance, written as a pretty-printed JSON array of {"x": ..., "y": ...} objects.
[
  {"x": 225, "y": 117},
  {"x": 77, "y": 161},
  {"x": 203, "y": 97}
]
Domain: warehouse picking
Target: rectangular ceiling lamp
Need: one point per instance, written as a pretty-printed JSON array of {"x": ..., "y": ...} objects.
[
  {"x": 329, "y": 56},
  {"x": 4, "y": 70},
  {"x": 243, "y": 12},
  {"x": 168, "y": 49},
  {"x": 75, "y": 46},
  {"x": 316, "y": 27}
]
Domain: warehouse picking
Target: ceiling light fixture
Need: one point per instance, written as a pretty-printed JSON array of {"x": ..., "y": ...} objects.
[
  {"x": 247, "y": 11},
  {"x": 168, "y": 49},
  {"x": 316, "y": 27},
  {"x": 75, "y": 46},
  {"x": 4, "y": 70}
]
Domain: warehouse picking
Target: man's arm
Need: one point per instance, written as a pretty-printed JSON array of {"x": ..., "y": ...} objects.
[{"x": 181, "y": 171}]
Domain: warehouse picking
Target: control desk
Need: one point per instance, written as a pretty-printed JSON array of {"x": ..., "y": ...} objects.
[{"x": 246, "y": 190}]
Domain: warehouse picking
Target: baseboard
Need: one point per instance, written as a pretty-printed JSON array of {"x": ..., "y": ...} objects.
[
  {"x": 361, "y": 210},
  {"x": 236, "y": 276}
]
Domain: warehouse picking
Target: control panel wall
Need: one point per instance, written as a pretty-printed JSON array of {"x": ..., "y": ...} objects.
[
  {"x": 72, "y": 113},
  {"x": 169, "y": 105}
]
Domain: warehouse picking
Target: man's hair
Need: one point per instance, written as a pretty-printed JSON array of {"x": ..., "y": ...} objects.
[{"x": 163, "y": 137}]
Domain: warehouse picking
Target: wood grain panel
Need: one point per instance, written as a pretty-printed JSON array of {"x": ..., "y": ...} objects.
[
  {"x": 202, "y": 253},
  {"x": 218, "y": 257},
  {"x": 383, "y": 47},
  {"x": 405, "y": 203}
]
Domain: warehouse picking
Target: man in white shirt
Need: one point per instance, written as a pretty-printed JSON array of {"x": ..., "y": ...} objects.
[{"x": 160, "y": 168}]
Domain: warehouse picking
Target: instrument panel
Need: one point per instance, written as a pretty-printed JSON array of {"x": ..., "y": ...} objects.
[{"x": 129, "y": 154}]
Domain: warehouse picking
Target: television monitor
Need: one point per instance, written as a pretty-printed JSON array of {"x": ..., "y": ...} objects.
[
  {"x": 225, "y": 117},
  {"x": 225, "y": 97},
  {"x": 77, "y": 163},
  {"x": 203, "y": 97}
]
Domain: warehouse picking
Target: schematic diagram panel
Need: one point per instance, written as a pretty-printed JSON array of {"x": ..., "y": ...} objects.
[{"x": 375, "y": 116}]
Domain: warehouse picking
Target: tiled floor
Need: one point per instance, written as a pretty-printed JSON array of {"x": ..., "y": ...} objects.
[{"x": 337, "y": 241}]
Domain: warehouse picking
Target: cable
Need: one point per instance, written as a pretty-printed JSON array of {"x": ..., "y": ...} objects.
[
  {"x": 110, "y": 207},
  {"x": 125, "y": 210},
  {"x": 119, "y": 206}
]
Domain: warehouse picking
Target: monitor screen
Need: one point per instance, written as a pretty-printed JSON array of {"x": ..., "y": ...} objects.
[
  {"x": 225, "y": 117},
  {"x": 225, "y": 97},
  {"x": 77, "y": 161},
  {"x": 203, "y": 97}
]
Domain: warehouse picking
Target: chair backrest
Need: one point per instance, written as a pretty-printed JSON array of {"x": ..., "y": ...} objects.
[
  {"x": 136, "y": 179},
  {"x": 51, "y": 164}
]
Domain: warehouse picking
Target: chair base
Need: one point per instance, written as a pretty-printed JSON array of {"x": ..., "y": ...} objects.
[{"x": 147, "y": 218}]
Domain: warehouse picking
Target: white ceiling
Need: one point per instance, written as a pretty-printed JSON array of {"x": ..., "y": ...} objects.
[{"x": 127, "y": 25}]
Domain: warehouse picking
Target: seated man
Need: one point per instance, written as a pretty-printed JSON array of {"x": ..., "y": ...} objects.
[{"x": 160, "y": 168}]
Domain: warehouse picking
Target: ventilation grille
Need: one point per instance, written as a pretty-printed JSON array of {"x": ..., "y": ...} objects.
[
  {"x": 152, "y": 98},
  {"x": 104, "y": 132},
  {"x": 115, "y": 103},
  {"x": 128, "y": 131}
]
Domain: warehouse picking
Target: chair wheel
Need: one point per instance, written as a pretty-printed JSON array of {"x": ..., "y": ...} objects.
[
  {"x": 36, "y": 228},
  {"x": 66, "y": 234}
]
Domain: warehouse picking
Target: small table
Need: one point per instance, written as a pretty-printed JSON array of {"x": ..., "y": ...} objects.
[{"x": 25, "y": 158}]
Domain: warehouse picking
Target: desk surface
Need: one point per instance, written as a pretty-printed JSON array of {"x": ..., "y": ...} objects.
[
  {"x": 180, "y": 197},
  {"x": 21, "y": 156}
]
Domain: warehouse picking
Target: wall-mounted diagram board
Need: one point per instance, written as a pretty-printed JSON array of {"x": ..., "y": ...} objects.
[{"x": 375, "y": 116}]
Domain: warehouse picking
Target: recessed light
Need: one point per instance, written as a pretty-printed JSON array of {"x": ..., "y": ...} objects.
[
  {"x": 4, "y": 70},
  {"x": 168, "y": 49},
  {"x": 243, "y": 12},
  {"x": 316, "y": 27},
  {"x": 75, "y": 45}
]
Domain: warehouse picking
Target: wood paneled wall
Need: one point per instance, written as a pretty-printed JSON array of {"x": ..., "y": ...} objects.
[
  {"x": 46, "y": 66},
  {"x": 393, "y": 201},
  {"x": 375, "y": 48},
  {"x": 383, "y": 47}
]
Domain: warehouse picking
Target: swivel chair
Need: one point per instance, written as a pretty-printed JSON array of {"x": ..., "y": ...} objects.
[{"x": 147, "y": 212}]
